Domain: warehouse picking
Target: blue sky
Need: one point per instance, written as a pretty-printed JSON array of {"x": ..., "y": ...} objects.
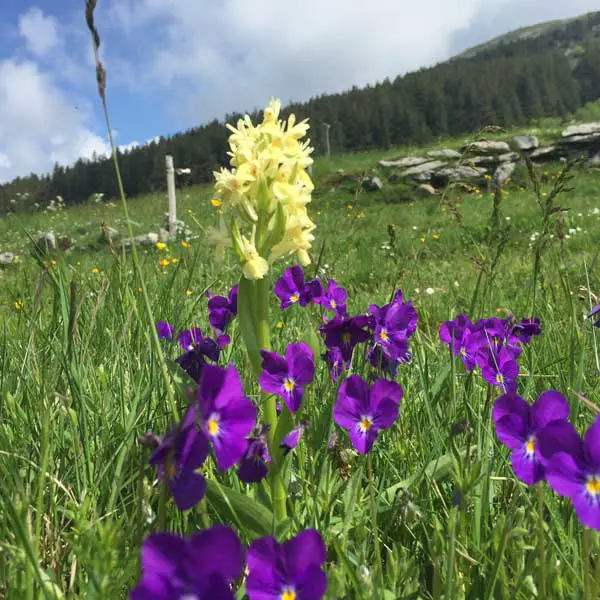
[{"x": 175, "y": 64}]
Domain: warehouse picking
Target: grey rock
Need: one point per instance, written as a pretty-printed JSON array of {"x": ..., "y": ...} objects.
[
  {"x": 46, "y": 243},
  {"x": 6, "y": 258},
  {"x": 444, "y": 153},
  {"x": 509, "y": 157},
  {"x": 427, "y": 189},
  {"x": 460, "y": 173},
  {"x": 148, "y": 239},
  {"x": 583, "y": 129},
  {"x": 403, "y": 163},
  {"x": 524, "y": 142},
  {"x": 487, "y": 147},
  {"x": 422, "y": 172},
  {"x": 545, "y": 153},
  {"x": 594, "y": 161},
  {"x": 504, "y": 172},
  {"x": 372, "y": 184},
  {"x": 482, "y": 160},
  {"x": 584, "y": 139},
  {"x": 164, "y": 236}
]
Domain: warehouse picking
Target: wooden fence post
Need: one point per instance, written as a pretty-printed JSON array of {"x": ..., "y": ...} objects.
[{"x": 172, "y": 199}]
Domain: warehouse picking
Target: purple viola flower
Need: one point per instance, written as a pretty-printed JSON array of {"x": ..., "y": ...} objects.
[
  {"x": 573, "y": 467},
  {"x": 221, "y": 310},
  {"x": 500, "y": 368},
  {"x": 336, "y": 363},
  {"x": 288, "y": 571},
  {"x": 165, "y": 330},
  {"x": 593, "y": 313},
  {"x": 345, "y": 333},
  {"x": 518, "y": 426},
  {"x": 201, "y": 567},
  {"x": 226, "y": 415},
  {"x": 522, "y": 332},
  {"x": 334, "y": 298},
  {"x": 197, "y": 348},
  {"x": 287, "y": 377},
  {"x": 178, "y": 456},
  {"x": 363, "y": 411},
  {"x": 380, "y": 360},
  {"x": 453, "y": 332},
  {"x": 292, "y": 439},
  {"x": 253, "y": 467},
  {"x": 290, "y": 288}
]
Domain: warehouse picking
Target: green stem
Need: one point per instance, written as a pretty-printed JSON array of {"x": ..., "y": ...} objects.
[
  {"x": 278, "y": 491},
  {"x": 587, "y": 573},
  {"x": 379, "y": 578},
  {"x": 541, "y": 540}
]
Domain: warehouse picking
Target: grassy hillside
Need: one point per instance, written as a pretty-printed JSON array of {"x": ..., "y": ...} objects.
[{"x": 81, "y": 384}]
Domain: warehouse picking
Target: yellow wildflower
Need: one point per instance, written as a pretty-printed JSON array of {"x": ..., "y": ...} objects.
[
  {"x": 436, "y": 236},
  {"x": 164, "y": 262},
  {"x": 160, "y": 246},
  {"x": 19, "y": 304},
  {"x": 216, "y": 202},
  {"x": 185, "y": 244},
  {"x": 219, "y": 211},
  {"x": 422, "y": 239},
  {"x": 279, "y": 325},
  {"x": 96, "y": 270},
  {"x": 174, "y": 260},
  {"x": 188, "y": 292}
]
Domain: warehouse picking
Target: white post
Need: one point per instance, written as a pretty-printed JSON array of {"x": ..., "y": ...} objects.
[
  {"x": 327, "y": 147},
  {"x": 172, "y": 199}
]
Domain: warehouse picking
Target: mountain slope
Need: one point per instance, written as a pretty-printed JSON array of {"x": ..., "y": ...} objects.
[{"x": 551, "y": 69}]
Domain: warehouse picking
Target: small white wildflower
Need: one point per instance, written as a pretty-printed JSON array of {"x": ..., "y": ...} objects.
[
  {"x": 456, "y": 284},
  {"x": 417, "y": 291},
  {"x": 579, "y": 229},
  {"x": 572, "y": 231},
  {"x": 507, "y": 218},
  {"x": 414, "y": 228},
  {"x": 567, "y": 237},
  {"x": 579, "y": 214},
  {"x": 430, "y": 291}
]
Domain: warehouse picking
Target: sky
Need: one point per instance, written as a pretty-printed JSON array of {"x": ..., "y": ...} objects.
[{"x": 176, "y": 64}]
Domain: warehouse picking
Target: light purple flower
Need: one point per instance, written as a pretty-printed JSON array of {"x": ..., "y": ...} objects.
[
  {"x": 226, "y": 415},
  {"x": 518, "y": 426},
  {"x": 288, "y": 571},
  {"x": 292, "y": 439},
  {"x": 363, "y": 411},
  {"x": 334, "y": 298},
  {"x": 165, "y": 330},
  {"x": 287, "y": 377},
  {"x": 500, "y": 369}
]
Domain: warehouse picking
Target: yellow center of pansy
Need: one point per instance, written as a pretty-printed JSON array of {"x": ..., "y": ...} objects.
[
  {"x": 346, "y": 337},
  {"x": 332, "y": 304},
  {"x": 365, "y": 424},
  {"x": 593, "y": 485},
  {"x": 384, "y": 335},
  {"x": 289, "y": 384},
  {"x": 499, "y": 378},
  {"x": 213, "y": 425},
  {"x": 294, "y": 298},
  {"x": 530, "y": 446},
  {"x": 288, "y": 594}
]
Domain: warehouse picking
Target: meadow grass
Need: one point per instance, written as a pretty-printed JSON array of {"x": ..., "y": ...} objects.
[{"x": 80, "y": 384}]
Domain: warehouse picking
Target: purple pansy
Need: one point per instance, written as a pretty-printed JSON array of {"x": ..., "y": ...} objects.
[
  {"x": 453, "y": 332},
  {"x": 197, "y": 348},
  {"x": 201, "y": 567},
  {"x": 286, "y": 377},
  {"x": 221, "y": 310},
  {"x": 178, "y": 456},
  {"x": 226, "y": 415},
  {"x": 288, "y": 571},
  {"x": 499, "y": 368},
  {"x": 593, "y": 313},
  {"x": 292, "y": 439},
  {"x": 524, "y": 330},
  {"x": 253, "y": 467},
  {"x": 345, "y": 333},
  {"x": 363, "y": 411},
  {"x": 518, "y": 426},
  {"x": 334, "y": 298},
  {"x": 336, "y": 363},
  {"x": 165, "y": 330},
  {"x": 573, "y": 467},
  {"x": 290, "y": 288}
]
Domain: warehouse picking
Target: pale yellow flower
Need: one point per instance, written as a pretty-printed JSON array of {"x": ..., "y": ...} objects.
[
  {"x": 255, "y": 266},
  {"x": 219, "y": 238}
]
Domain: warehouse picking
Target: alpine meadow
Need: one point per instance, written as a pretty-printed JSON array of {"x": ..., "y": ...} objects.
[{"x": 362, "y": 361}]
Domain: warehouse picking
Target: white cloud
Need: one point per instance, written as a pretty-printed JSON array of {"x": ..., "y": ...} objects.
[
  {"x": 39, "y": 31},
  {"x": 39, "y": 124}
]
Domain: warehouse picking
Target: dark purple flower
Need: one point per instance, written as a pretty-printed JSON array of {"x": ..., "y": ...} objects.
[
  {"x": 364, "y": 410},
  {"x": 165, "y": 330},
  {"x": 452, "y": 332},
  {"x": 500, "y": 369},
  {"x": 522, "y": 332},
  {"x": 334, "y": 298},
  {"x": 518, "y": 426},
  {"x": 226, "y": 415},
  {"x": 292, "y": 439},
  {"x": 201, "y": 567},
  {"x": 593, "y": 313},
  {"x": 573, "y": 467},
  {"x": 291, "y": 289},
  {"x": 288, "y": 571},
  {"x": 380, "y": 360},
  {"x": 336, "y": 363},
  {"x": 221, "y": 310},
  {"x": 345, "y": 333},
  {"x": 286, "y": 377},
  {"x": 253, "y": 467},
  {"x": 197, "y": 348},
  {"x": 179, "y": 455}
]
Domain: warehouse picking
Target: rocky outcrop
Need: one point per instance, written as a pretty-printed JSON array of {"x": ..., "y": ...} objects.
[
  {"x": 403, "y": 163},
  {"x": 462, "y": 173},
  {"x": 583, "y": 129},
  {"x": 423, "y": 171},
  {"x": 486, "y": 147},
  {"x": 521, "y": 143},
  {"x": 445, "y": 153}
]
